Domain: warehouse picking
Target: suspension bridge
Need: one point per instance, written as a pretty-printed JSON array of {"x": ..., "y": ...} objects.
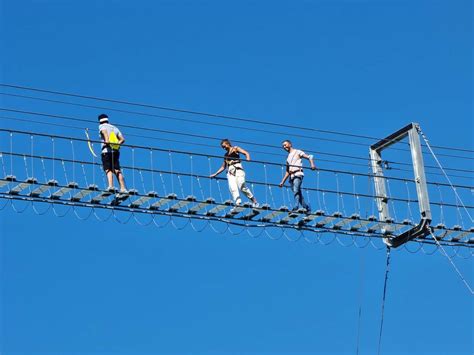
[{"x": 46, "y": 171}]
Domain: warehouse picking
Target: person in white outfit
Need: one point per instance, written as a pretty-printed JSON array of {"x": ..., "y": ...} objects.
[{"x": 235, "y": 172}]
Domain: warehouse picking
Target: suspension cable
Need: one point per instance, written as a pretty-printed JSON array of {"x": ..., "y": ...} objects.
[{"x": 235, "y": 118}]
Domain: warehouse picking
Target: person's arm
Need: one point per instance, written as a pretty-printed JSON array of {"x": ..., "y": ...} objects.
[
  {"x": 311, "y": 160},
  {"x": 244, "y": 152},
  {"x": 121, "y": 138},
  {"x": 287, "y": 174},
  {"x": 221, "y": 169}
]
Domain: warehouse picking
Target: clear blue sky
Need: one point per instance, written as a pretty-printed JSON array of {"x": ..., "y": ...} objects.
[{"x": 361, "y": 66}]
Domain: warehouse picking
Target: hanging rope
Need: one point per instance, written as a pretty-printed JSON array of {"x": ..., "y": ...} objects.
[
  {"x": 318, "y": 191},
  {"x": 452, "y": 263},
  {"x": 387, "y": 266},
  {"x": 361, "y": 294},
  {"x": 444, "y": 173}
]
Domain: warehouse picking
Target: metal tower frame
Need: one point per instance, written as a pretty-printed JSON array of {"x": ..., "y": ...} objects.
[{"x": 422, "y": 229}]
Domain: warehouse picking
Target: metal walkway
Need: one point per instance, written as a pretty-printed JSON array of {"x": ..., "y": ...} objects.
[{"x": 319, "y": 221}]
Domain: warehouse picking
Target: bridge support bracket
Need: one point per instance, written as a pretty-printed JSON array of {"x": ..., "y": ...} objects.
[{"x": 412, "y": 131}]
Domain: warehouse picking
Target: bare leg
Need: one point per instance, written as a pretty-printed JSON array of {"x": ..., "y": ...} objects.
[
  {"x": 120, "y": 179},
  {"x": 110, "y": 178}
]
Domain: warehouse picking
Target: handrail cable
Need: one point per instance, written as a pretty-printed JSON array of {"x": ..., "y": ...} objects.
[
  {"x": 235, "y": 118},
  {"x": 220, "y": 157},
  {"x": 205, "y": 137},
  {"x": 253, "y": 151},
  {"x": 222, "y": 179}
]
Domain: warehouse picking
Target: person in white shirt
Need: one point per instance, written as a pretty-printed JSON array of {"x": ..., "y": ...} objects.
[
  {"x": 294, "y": 171},
  {"x": 112, "y": 139},
  {"x": 235, "y": 172}
]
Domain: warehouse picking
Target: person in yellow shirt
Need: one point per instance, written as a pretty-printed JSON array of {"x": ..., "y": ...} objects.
[{"x": 112, "y": 139}]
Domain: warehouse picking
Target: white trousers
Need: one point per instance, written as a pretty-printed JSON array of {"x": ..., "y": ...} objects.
[{"x": 236, "y": 184}]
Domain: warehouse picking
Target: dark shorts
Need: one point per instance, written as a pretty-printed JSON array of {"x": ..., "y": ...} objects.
[{"x": 110, "y": 161}]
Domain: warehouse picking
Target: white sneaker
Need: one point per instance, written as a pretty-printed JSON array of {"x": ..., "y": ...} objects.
[{"x": 255, "y": 205}]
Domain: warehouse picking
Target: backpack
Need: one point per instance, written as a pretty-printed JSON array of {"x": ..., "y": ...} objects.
[{"x": 113, "y": 139}]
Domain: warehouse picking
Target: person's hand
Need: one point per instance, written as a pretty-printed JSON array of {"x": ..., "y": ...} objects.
[
  {"x": 313, "y": 167},
  {"x": 212, "y": 176},
  {"x": 281, "y": 184},
  {"x": 248, "y": 158}
]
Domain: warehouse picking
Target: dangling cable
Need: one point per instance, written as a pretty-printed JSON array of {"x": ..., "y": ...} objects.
[
  {"x": 220, "y": 191},
  {"x": 290, "y": 239},
  {"x": 147, "y": 203},
  {"x": 330, "y": 241},
  {"x": 27, "y": 205},
  {"x": 391, "y": 200},
  {"x": 441, "y": 205},
  {"x": 151, "y": 169},
  {"x": 266, "y": 182},
  {"x": 452, "y": 263},
  {"x": 69, "y": 207},
  {"x": 11, "y": 153},
  {"x": 210, "y": 172},
  {"x": 410, "y": 214},
  {"x": 183, "y": 197},
  {"x": 3, "y": 166},
  {"x": 192, "y": 175},
  {"x": 54, "y": 158},
  {"x": 74, "y": 180},
  {"x": 272, "y": 237},
  {"x": 308, "y": 198},
  {"x": 91, "y": 209},
  {"x": 93, "y": 169},
  {"x": 318, "y": 190},
  {"x": 216, "y": 230},
  {"x": 361, "y": 297},
  {"x": 31, "y": 158},
  {"x": 129, "y": 217},
  {"x": 283, "y": 188},
  {"x": 460, "y": 220},
  {"x": 4, "y": 175},
  {"x": 356, "y": 196},
  {"x": 206, "y": 224},
  {"x": 345, "y": 245},
  {"x": 133, "y": 170},
  {"x": 341, "y": 196},
  {"x": 290, "y": 205},
  {"x": 171, "y": 171},
  {"x": 444, "y": 172},
  {"x": 35, "y": 210},
  {"x": 383, "y": 299},
  {"x": 260, "y": 228},
  {"x": 73, "y": 164},
  {"x": 271, "y": 196}
]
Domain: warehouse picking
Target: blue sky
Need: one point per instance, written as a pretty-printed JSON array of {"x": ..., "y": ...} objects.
[{"x": 363, "y": 67}]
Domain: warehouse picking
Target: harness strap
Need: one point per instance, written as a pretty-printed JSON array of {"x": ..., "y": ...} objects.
[{"x": 295, "y": 171}]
